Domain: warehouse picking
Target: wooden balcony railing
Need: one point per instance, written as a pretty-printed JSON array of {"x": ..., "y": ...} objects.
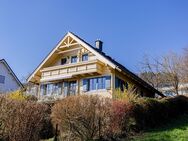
[{"x": 69, "y": 70}]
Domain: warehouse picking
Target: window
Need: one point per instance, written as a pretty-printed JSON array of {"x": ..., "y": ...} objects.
[
  {"x": 85, "y": 57},
  {"x": 101, "y": 83},
  {"x": 73, "y": 59},
  {"x": 63, "y": 61},
  {"x": 72, "y": 87},
  {"x": 43, "y": 89},
  {"x": 69, "y": 88},
  {"x": 51, "y": 89},
  {"x": 93, "y": 84},
  {"x": 120, "y": 84},
  {"x": 2, "y": 79},
  {"x": 97, "y": 83},
  {"x": 126, "y": 85}
]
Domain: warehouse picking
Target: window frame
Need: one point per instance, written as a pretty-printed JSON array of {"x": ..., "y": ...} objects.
[
  {"x": 2, "y": 79},
  {"x": 62, "y": 60},
  {"x": 96, "y": 83},
  {"x": 84, "y": 55},
  {"x": 75, "y": 56}
]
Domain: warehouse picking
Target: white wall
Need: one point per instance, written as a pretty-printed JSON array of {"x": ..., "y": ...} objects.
[{"x": 10, "y": 82}]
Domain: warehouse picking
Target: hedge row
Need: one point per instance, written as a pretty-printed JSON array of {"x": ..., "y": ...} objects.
[
  {"x": 85, "y": 117},
  {"x": 150, "y": 113},
  {"x": 93, "y": 117}
]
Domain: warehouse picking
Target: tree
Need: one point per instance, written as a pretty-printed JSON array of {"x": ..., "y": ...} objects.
[
  {"x": 150, "y": 71},
  {"x": 166, "y": 70},
  {"x": 185, "y": 65}
]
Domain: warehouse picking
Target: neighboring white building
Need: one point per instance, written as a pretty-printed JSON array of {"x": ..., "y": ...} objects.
[
  {"x": 8, "y": 80},
  {"x": 169, "y": 90}
]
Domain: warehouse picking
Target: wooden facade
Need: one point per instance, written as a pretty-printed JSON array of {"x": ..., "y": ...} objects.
[{"x": 75, "y": 67}]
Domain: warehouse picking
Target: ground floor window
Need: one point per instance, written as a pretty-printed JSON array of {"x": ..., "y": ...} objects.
[
  {"x": 70, "y": 88},
  {"x": 97, "y": 83},
  {"x": 51, "y": 89},
  {"x": 121, "y": 84}
]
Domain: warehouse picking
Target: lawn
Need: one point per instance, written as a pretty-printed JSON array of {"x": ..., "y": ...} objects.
[{"x": 175, "y": 130}]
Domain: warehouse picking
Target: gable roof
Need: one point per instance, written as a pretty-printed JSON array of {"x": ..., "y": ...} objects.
[
  {"x": 12, "y": 73},
  {"x": 80, "y": 41},
  {"x": 103, "y": 57}
]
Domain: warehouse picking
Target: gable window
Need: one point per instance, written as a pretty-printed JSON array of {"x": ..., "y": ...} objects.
[
  {"x": 63, "y": 61},
  {"x": 85, "y": 57},
  {"x": 73, "y": 59},
  {"x": 2, "y": 79}
]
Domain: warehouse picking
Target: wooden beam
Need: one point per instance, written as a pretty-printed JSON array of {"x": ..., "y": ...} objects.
[
  {"x": 65, "y": 43},
  {"x": 71, "y": 41},
  {"x": 69, "y": 50},
  {"x": 68, "y": 45},
  {"x": 68, "y": 40}
]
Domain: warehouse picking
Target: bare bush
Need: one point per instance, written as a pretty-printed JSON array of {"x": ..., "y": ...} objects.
[
  {"x": 21, "y": 120},
  {"x": 82, "y": 117}
]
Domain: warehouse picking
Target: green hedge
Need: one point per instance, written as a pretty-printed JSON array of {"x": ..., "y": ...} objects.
[{"x": 150, "y": 113}]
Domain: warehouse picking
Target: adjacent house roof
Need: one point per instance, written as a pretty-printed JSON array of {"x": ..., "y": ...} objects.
[
  {"x": 11, "y": 72},
  {"x": 103, "y": 57}
]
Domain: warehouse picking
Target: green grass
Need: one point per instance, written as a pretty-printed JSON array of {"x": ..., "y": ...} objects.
[
  {"x": 175, "y": 130},
  {"x": 52, "y": 139}
]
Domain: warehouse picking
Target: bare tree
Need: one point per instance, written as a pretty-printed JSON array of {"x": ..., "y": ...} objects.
[
  {"x": 150, "y": 71},
  {"x": 185, "y": 65},
  {"x": 171, "y": 66},
  {"x": 165, "y": 70}
]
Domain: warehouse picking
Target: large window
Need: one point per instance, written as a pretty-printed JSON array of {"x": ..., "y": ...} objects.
[
  {"x": 69, "y": 88},
  {"x": 97, "y": 83},
  {"x": 51, "y": 89},
  {"x": 73, "y": 59},
  {"x": 2, "y": 79},
  {"x": 85, "y": 57}
]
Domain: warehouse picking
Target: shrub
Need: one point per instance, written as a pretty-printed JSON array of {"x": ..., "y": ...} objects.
[
  {"x": 128, "y": 95},
  {"x": 17, "y": 95},
  {"x": 22, "y": 120},
  {"x": 20, "y": 95},
  {"x": 122, "y": 120},
  {"x": 82, "y": 117},
  {"x": 150, "y": 112}
]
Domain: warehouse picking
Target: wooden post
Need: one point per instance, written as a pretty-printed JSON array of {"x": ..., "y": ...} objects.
[{"x": 56, "y": 133}]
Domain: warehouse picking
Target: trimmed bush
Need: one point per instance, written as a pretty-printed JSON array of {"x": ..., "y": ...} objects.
[
  {"x": 82, "y": 117},
  {"x": 22, "y": 120},
  {"x": 121, "y": 122},
  {"x": 150, "y": 112}
]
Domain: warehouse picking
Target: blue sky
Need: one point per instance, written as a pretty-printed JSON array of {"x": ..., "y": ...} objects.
[{"x": 129, "y": 29}]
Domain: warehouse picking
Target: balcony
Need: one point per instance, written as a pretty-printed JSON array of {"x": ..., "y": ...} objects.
[{"x": 71, "y": 70}]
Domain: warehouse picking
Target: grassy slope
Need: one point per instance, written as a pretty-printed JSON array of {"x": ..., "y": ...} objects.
[{"x": 176, "y": 130}]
